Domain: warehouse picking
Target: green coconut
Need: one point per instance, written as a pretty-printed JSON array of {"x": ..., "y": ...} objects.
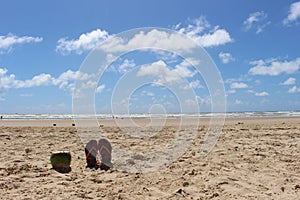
[{"x": 61, "y": 161}]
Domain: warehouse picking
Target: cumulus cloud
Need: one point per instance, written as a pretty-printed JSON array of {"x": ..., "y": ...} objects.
[
  {"x": 238, "y": 102},
  {"x": 237, "y": 85},
  {"x": 274, "y": 67},
  {"x": 7, "y": 42},
  {"x": 63, "y": 81},
  {"x": 215, "y": 38},
  {"x": 147, "y": 93},
  {"x": 201, "y": 31},
  {"x": 225, "y": 57},
  {"x": 258, "y": 94},
  {"x": 66, "y": 79},
  {"x": 232, "y": 91},
  {"x": 165, "y": 75},
  {"x": 153, "y": 38},
  {"x": 261, "y": 94},
  {"x": 184, "y": 70},
  {"x": 294, "y": 90},
  {"x": 198, "y": 29},
  {"x": 126, "y": 66},
  {"x": 294, "y": 13},
  {"x": 193, "y": 85},
  {"x": 8, "y": 81},
  {"x": 85, "y": 42},
  {"x": 256, "y": 21},
  {"x": 289, "y": 81},
  {"x": 100, "y": 88},
  {"x": 160, "y": 70}
]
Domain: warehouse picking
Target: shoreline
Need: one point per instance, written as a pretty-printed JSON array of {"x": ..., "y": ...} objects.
[{"x": 112, "y": 122}]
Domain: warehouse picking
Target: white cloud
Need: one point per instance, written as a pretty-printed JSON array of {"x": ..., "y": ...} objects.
[
  {"x": 3, "y": 71},
  {"x": 85, "y": 42},
  {"x": 294, "y": 13},
  {"x": 238, "y": 102},
  {"x": 274, "y": 67},
  {"x": 261, "y": 94},
  {"x": 257, "y": 21},
  {"x": 225, "y": 57},
  {"x": 289, "y": 81},
  {"x": 165, "y": 75},
  {"x": 193, "y": 85},
  {"x": 126, "y": 65},
  {"x": 190, "y": 103},
  {"x": 161, "y": 71},
  {"x": 153, "y": 38},
  {"x": 161, "y": 39},
  {"x": 232, "y": 91},
  {"x": 237, "y": 85},
  {"x": 184, "y": 70},
  {"x": 198, "y": 31},
  {"x": 204, "y": 101},
  {"x": 100, "y": 88},
  {"x": 36, "y": 81},
  {"x": 8, "y": 81},
  {"x": 242, "y": 78},
  {"x": 168, "y": 40},
  {"x": 294, "y": 90},
  {"x": 26, "y": 95},
  {"x": 150, "y": 94},
  {"x": 70, "y": 76},
  {"x": 7, "y": 42},
  {"x": 63, "y": 81},
  {"x": 215, "y": 38}
]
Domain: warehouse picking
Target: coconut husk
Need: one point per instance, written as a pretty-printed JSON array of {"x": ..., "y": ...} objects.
[{"x": 61, "y": 161}]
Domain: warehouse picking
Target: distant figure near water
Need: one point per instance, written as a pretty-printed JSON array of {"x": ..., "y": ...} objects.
[{"x": 1, "y": 117}]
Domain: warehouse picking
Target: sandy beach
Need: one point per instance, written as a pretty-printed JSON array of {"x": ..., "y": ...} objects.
[{"x": 255, "y": 158}]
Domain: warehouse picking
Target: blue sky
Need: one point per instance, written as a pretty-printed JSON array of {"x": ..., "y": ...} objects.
[{"x": 255, "y": 45}]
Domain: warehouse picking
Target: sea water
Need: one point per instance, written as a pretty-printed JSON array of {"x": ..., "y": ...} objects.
[{"x": 169, "y": 115}]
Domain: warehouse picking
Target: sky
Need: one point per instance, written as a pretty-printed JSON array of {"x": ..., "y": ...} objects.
[{"x": 254, "y": 44}]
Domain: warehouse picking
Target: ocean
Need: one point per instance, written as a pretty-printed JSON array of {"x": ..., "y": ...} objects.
[{"x": 170, "y": 115}]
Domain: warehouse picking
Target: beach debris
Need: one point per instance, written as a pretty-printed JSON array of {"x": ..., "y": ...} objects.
[
  {"x": 54, "y": 124},
  {"x": 185, "y": 184},
  {"x": 61, "y": 161},
  {"x": 27, "y": 150},
  {"x": 215, "y": 195},
  {"x": 181, "y": 192}
]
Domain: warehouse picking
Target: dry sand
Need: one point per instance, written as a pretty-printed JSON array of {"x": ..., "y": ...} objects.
[{"x": 253, "y": 159}]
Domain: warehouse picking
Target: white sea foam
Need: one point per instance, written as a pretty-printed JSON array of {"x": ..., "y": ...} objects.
[{"x": 157, "y": 116}]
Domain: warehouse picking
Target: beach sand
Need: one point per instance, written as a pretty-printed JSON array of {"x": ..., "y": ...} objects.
[{"x": 257, "y": 158}]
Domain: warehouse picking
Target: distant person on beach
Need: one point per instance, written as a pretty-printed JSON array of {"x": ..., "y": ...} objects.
[{"x": 1, "y": 117}]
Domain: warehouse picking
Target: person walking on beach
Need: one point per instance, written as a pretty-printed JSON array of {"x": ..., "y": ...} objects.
[{"x": 1, "y": 117}]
